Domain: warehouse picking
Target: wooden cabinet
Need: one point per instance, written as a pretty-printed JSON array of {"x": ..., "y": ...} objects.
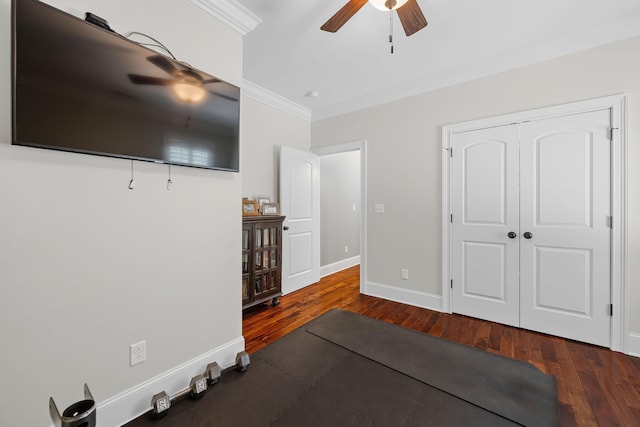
[{"x": 261, "y": 260}]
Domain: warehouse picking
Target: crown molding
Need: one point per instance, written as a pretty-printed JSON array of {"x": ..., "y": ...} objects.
[
  {"x": 231, "y": 13},
  {"x": 272, "y": 99},
  {"x": 594, "y": 38}
]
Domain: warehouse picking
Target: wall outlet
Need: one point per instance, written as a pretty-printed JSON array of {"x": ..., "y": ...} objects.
[
  {"x": 379, "y": 208},
  {"x": 346, "y": 249},
  {"x": 404, "y": 273},
  {"x": 137, "y": 353}
]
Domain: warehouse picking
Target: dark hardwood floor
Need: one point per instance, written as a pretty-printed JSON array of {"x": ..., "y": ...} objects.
[{"x": 596, "y": 386}]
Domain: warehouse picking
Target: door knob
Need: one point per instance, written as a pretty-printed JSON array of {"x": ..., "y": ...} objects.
[
  {"x": 512, "y": 235},
  {"x": 527, "y": 235},
  {"x": 285, "y": 228}
]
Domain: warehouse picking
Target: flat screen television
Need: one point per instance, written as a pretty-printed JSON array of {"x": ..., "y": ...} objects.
[{"x": 82, "y": 88}]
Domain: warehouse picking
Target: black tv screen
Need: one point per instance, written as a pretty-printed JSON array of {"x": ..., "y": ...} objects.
[{"x": 78, "y": 87}]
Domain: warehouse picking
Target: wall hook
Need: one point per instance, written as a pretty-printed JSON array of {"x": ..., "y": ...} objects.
[{"x": 132, "y": 182}]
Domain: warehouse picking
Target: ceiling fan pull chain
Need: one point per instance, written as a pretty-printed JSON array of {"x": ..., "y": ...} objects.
[{"x": 391, "y": 29}]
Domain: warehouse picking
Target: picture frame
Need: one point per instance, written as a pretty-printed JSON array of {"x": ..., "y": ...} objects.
[
  {"x": 270, "y": 209},
  {"x": 250, "y": 208},
  {"x": 262, "y": 199}
]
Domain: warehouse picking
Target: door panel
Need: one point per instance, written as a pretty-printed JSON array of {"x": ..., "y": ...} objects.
[
  {"x": 301, "y": 190},
  {"x": 300, "y": 203},
  {"x": 485, "y": 210},
  {"x": 484, "y": 165},
  {"x": 563, "y": 199},
  {"x": 479, "y": 281},
  {"x": 562, "y": 281},
  {"x": 300, "y": 253},
  {"x": 565, "y": 205}
]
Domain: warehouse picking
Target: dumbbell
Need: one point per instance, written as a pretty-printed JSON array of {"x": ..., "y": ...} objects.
[
  {"x": 161, "y": 402},
  {"x": 242, "y": 361},
  {"x": 212, "y": 373}
]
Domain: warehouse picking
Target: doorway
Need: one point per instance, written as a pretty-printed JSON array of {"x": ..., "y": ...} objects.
[
  {"x": 361, "y": 148},
  {"x": 530, "y": 199},
  {"x": 339, "y": 212}
]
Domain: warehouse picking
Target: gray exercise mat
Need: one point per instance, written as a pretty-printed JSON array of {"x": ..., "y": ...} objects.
[{"x": 510, "y": 388}]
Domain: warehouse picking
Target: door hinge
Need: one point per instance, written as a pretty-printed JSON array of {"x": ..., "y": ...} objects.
[
  {"x": 450, "y": 151},
  {"x": 610, "y": 309},
  {"x": 611, "y": 133},
  {"x": 451, "y": 219},
  {"x": 451, "y": 283},
  {"x": 610, "y": 222}
]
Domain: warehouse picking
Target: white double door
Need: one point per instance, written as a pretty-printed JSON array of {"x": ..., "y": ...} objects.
[{"x": 531, "y": 229}]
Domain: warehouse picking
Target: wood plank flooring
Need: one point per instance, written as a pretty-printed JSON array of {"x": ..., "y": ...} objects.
[{"x": 596, "y": 386}]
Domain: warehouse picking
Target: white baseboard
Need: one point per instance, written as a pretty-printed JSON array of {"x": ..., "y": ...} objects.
[
  {"x": 328, "y": 269},
  {"x": 134, "y": 402},
  {"x": 633, "y": 344},
  {"x": 405, "y": 296}
]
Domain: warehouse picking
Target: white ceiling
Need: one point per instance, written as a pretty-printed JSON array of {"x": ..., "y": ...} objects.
[{"x": 288, "y": 54}]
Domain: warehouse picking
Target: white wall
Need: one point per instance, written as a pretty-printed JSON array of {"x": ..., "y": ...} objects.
[
  {"x": 339, "y": 193},
  {"x": 268, "y": 128},
  {"x": 404, "y": 155},
  {"x": 88, "y": 267}
]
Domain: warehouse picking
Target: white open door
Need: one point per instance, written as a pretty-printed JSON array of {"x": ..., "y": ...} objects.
[{"x": 300, "y": 203}]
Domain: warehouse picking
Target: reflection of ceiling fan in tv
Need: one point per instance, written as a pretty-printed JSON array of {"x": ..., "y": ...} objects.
[
  {"x": 187, "y": 84},
  {"x": 408, "y": 11}
]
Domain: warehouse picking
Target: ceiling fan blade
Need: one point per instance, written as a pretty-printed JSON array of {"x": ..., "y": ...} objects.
[
  {"x": 214, "y": 80},
  {"x": 162, "y": 63},
  {"x": 230, "y": 98},
  {"x": 411, "y": 17},
  {"x": 343, "y": 15},
  {"x": 146, "y": 80}
]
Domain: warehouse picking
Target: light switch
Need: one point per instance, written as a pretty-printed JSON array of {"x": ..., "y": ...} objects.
[{"x": 379, "y": 208}]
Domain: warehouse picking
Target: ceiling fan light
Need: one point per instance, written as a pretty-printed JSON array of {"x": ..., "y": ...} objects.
[
  {"x": 189, "y": 93},
  {"x": 387, "y": 4}
]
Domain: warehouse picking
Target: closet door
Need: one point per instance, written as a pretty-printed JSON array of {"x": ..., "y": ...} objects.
[
  {"x": 565, "y": 206},
  {"x": 485, "y": 212}
]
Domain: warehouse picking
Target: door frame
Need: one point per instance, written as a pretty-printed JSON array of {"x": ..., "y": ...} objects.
[
  {"x": 345, "y": 148},
  {"x": 617, "y": 104}
]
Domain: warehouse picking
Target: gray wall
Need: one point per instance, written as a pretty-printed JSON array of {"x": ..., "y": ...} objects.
[
  {"x": 88, "y": 267},
  {"x": 404, "y": 155},
  {"x": 339, "y": 194},
  {"x": 267, "y": 129}
]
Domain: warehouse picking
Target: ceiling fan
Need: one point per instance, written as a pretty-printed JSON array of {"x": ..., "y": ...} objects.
[
  {"x": 408, "y": 11},
  {"x": 187, "y": 83}
]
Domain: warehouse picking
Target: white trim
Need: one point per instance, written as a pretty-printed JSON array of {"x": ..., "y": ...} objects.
[
  {"x": 344, "y": 148},
  {"x": 274, "y": 100},
  {"x": 446, "y": 272},
  {"x": 589, "y": 39},
  {"x": 132, "y": 403},
  {"x": 328, "y": 269},
  {"x": 619, "y": 274},
  {"x": 231, "y": 13},
  {"x": 404, "y": 296},
  {"x": 619, "y": 279},
  {"x": 633, "y": 345}
]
